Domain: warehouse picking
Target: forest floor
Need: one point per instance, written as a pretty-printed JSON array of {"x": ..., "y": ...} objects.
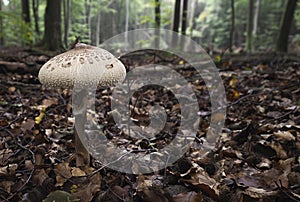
[{"x": 257, "y": 157}]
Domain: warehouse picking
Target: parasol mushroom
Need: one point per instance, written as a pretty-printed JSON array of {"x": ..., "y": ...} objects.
[{"x": 81, "y": 68}]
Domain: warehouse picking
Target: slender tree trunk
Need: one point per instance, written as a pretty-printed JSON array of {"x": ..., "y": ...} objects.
[
  {"x": 52, "y": 36},
  {"x": 176, "y": 18},
  {"x": 67, "y": 20},
  {"x": 286, "y": 22},
  {"x": 249, "y": 39},
  {"x": 184, "y": 17},
  {"x": 98, "y": 29},
  {"x": 88, "y": 18},
  {"x": 26, "y": 11},
  {"x": 1, "y": 26},
  {"x": 157, "y": 22},
  {"x": 256, "y": 17},
  {"x": 35, "y": 9},
  {"x": 192, "y": 18},
  {"x": 126, "y": 21},
  {"x": 176, "y": 21},
  {"x": 232, "y": 26}
]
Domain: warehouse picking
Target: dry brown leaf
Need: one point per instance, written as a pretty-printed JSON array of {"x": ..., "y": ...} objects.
[
  {"x": 8, "y": 170},
  {"x": 49, "y": 102},
  {"x": 280, "y": 152},
  {"x": 63, "y": 173},
  {"x": 6, "y": 185},
  {"x": 77, "y": 172},
  {"x": 203, "y": 181},
  {"x": 4, "y": 155},
  {"x": 154, "y": 194},
  {"x": 29, "y": 165},
  {"x": 85, "y": 192},
  {"x": 259, "y": 193},
  {"x": 188, "y": 197},
  {"x": 27, "y": 125},
  {"x": 11, "y": 89},
  {"x": 144, "y": 183},
  {"x": 284, "y": 136},
  {"x": 39, "y": 176},
  {"x": 120, "y": 192}
]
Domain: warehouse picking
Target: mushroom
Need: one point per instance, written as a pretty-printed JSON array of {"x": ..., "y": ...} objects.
[{"x": 81, "y": 68}]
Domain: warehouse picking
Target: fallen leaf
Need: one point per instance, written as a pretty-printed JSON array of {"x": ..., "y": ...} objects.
[
  {"x": 188, "y": 197},
  {"x": 27, "y": 125},
  {"x": 77, "y": 172},
  {"x": 284, "y": 136},
  {"x": 8, "y": 170},
  {"x": 60, "y": 196},
  {"x": 49, "y": 102}
]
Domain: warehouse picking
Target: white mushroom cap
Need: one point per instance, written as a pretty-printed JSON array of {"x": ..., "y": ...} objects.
[{"x": 83, "y": 66}]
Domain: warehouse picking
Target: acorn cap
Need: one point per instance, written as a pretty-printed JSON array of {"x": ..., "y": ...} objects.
[{"x": 83, "y": 66}]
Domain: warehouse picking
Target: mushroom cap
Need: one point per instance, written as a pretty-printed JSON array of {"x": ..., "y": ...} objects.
[{"x": 83, "y": 66}]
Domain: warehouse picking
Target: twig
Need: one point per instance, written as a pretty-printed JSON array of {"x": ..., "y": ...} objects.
[
  {"x": 282, "y": 116},
  {"x": 30, "y": 175},
  {"x": 16, "y": 83},
  {"x": 103, "y": 166},
  {"x": 287, "y": 192}
]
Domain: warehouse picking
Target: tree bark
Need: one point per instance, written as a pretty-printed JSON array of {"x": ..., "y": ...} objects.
[
  {"x": 35, "y": 9},
  {"x": 88, "y": 18},
  {"x": 67, "y": 20},
  {"x": 1, "y": 26},
  {"x": 157, "y": 22},
  {"x": 232, "y": 26},
  {"x": 176, "y": 18},
  {"x": 52, "y": 36},
  {"x": 249, "y": 38},
  {"x": 192, "y": 18},
  {"x": 26, "y": 11},
  {"x": 256, "y": 17},
  {"x": 286, "y": 22},
  {"x": 176, "y": 21},
  {"x": 98, "y": 29},
  {"x": 126, "y": 21},
  {"x": 184, "y": 17}
]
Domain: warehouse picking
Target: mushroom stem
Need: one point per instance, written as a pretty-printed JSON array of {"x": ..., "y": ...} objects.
[{"x": 79, "y": 107}]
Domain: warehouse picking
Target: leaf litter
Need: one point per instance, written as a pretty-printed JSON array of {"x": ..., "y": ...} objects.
[{"x": 255, "y": 159}]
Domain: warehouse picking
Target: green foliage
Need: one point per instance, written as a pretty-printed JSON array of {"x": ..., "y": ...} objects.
[
  {"x": 15, "y": 30},
  {"x": 211, "y": 24},
  {"x": 297, "y": 15},
  {"x": 166, "y": 12}
]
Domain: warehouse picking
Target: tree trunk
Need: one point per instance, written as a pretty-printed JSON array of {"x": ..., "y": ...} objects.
[
  {"x": 249, "y": 38},
  {"x": 286, "y": 22},
  {"x": 256, "y": 17},
  {"x": 176, "y": 21},
  {"x": 1, "y": 26},
  {"x": 35, "y": 9},
  {"x": 88, "y": 5},
  {"x": 176, "y": 18},
  {"x": 98, "y": 29},
  {"x": 192, "y": 18},
  {"x": 126, "y": 21},
  {"x": 232, "y": 26},
  {"x": 157, "y": 22},
  {"x": 67, "y": 20},
  {"x": 52, "y": 36},
  {"x": 184, "y": 17},
  {"x": 26, "y": 11}
]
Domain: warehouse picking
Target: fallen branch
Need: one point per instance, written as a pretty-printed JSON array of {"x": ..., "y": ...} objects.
[{"x": 17, "y": 67}]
